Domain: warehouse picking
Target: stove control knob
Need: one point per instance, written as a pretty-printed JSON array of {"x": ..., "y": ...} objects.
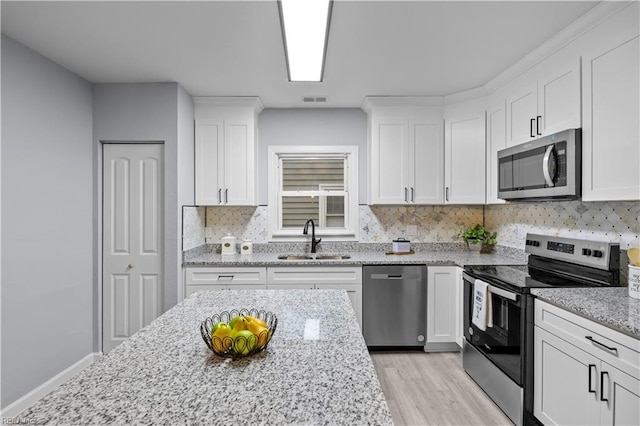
[
  {"x": 586, "y": 252},
  {"x": 535, "y": 243},
  {"x": 597, "y": 253},
  {"x": 528, "y": 242}
]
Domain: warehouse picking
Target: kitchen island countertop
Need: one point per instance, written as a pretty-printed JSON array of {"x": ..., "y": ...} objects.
[
  {"x": 165, "y": 374},
  {"x": 609, "y": 306},
  {"x": 445, "y": 257}
]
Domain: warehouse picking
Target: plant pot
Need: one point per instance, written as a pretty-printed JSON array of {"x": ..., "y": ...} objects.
[
  {"x": 487, "y": 248},
  {"x": 474, "y": 247}
]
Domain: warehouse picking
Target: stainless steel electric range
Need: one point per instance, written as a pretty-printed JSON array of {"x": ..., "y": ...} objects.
[{"x": 500, "y": 357}]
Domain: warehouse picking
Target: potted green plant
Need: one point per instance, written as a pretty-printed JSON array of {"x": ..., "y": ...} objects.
[{"x": 478, "y": 238}]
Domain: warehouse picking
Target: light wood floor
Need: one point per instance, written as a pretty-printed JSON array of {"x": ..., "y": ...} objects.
[{"x": 433, "y": 389}]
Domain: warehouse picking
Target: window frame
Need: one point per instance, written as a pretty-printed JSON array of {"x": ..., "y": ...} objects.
[{"x": 275, "y": 156}]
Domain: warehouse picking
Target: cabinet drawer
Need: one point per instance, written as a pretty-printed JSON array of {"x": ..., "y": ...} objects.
[
  {"x": 314, "y": 275},
  {"x": 590, "y": 337},
  {"x": 226, "y": 276}
]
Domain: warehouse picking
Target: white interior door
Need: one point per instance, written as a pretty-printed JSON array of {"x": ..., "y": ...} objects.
[{"x": 132, "y": 282}]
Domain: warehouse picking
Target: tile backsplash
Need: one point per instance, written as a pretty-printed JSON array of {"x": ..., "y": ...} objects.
[
  {"x": 378, "y": 224},
  {"x": 615, "y": 221},
  {"x": 607, "y": 221}
]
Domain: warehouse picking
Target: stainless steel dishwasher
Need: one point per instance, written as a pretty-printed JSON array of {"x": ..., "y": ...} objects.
[{"x": 394, "y": 305}]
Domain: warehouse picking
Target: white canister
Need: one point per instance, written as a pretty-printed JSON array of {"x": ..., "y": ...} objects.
[
  {"x": 229, "y": 244},
  {"x": 246, "y": 247},
  {"x": 401, "y": 245},
  {"x": 634, "y": 282}
]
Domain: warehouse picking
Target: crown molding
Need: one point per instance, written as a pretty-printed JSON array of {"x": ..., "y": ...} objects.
[
  {"x": 596, "y": 15},
  {"x": 230, "y": 101},
  {"x": 379, "y": 101},
  {"x": 466, "y": 95}
]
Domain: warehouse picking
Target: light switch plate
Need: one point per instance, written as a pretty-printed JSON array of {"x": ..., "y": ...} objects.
[{"x": 412, "y": 230}]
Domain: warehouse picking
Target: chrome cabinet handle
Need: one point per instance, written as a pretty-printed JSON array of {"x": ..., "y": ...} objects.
[
  {"x": 405, "y": 195},
  {"x": 219, "y": 195},
  {"x": 589, "y": 385},
  {"x": 602, "y": 398},
  {"x": 609, "y": 348},
  {"x": 226, "y": 195},
  {"x": 531, "y": 128},
  {"x": 547, "y": 165},
  {"x": 412, "y": 194},
  {"x": 446, "y": 194},
  {"x": 130, "y": 266},
  {"x": 538, "y": 118}
]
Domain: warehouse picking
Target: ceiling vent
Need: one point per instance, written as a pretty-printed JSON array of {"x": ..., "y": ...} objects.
[{"x": 314, "y": 99}]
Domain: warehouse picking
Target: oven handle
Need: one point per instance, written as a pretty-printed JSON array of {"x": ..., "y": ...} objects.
[{"x": 494, "y": 290}]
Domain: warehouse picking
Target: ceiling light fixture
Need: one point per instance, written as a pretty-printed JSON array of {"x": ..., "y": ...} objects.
[{"x": 305, "y": 31}]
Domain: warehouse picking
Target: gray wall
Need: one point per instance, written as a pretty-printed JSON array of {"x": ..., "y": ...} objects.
[
  {"x": 142, "y": 113},
  {"x": 312, "y": 126},
  {"x": 186, "y": 153},
  {"x": 47, "y": 220}
]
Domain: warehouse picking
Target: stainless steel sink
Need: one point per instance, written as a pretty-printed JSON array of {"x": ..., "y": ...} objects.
[
  {"x": 312, "y": 257},
  {"x": 294, "y": 257},
  {"x": 333, "y": 257}
]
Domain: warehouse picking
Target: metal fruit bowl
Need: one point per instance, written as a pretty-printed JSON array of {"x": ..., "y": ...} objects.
[{"x": 239, "y": 346}]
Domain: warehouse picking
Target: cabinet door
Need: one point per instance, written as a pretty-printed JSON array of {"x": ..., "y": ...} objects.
[
  {"x": 558, "y": 96},
  {"x": 496, "y": 140},
  {"x": 465, "y": 159},
  {"x": 522, "y": 107},
  {"x": 566, "y": 382},
  {"x": 209, "y": 149},
  {"x": 290, "y": 286},
  {"x": 426, "y": 163},
  {"x": 611, "y": 116},
  {"x": 622, "y": 393},
  {"x": 354, "y": 291},
  {"x": 239, "y": 163},
  {"x": 442, "y": 304},
  {"x": 389, "y": 156}
]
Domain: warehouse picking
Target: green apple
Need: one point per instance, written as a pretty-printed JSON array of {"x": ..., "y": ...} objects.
[
  {"x": 234, "y": 320},
  {"x": 221, "y": 339},
  {"x": 243, "y": 342},
  {"x": 217, "y": 325},
  {"x": 239, "y": 324}
]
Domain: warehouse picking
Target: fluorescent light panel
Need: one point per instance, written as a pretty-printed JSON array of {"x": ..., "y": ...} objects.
[{"x": 305, "y": 26}]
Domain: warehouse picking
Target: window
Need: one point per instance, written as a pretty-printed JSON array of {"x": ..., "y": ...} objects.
[{"x": 318, "y": 183}]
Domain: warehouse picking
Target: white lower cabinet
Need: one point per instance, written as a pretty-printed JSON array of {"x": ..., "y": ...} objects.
[
  {"x": 347, "y": 278},
  {"x": 444, "y": 308},
  {"x": 584, "y": 373},
  {"x": 226, "y": 278}
]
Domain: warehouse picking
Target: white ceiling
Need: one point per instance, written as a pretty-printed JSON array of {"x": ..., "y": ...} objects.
[{"x": 234, "y": 48}]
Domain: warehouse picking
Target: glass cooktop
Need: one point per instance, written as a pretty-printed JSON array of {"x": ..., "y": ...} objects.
[{"x": 521, "y": 278}]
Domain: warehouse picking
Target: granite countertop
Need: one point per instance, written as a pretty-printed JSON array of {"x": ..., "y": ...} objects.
[
  {"x": 449, "y": 257},
  {"x": 609, "y": 306},
  {"x": 165, "y": 374}
]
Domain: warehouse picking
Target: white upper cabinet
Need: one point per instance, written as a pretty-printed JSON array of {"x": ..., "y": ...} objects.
[
  {"x": 611, "y": 117},
  {"x": 465, "y": 161},
  {"x": 406, "y": 153},
  {"x": 496, "y": 140},
  {"x": 544, "y": 100},
  {"x": 226, "y": 151}
]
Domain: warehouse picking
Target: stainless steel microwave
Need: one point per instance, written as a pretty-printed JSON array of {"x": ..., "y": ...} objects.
[{"x": 549, "y": 168}]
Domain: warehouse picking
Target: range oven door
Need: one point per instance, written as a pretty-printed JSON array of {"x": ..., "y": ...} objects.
[{"x": 502, "y": 343}]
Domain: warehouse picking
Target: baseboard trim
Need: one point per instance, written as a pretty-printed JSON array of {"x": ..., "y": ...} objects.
[{"x": 35, "y": 395}]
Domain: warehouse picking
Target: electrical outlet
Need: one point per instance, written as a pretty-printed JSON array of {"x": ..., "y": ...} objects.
[{"x": 412, "y": 230}]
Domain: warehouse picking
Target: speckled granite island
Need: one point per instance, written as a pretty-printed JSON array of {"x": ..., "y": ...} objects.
[
  {"x": 165, "y": 374},
  {"x": 609, "y": 306}
]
